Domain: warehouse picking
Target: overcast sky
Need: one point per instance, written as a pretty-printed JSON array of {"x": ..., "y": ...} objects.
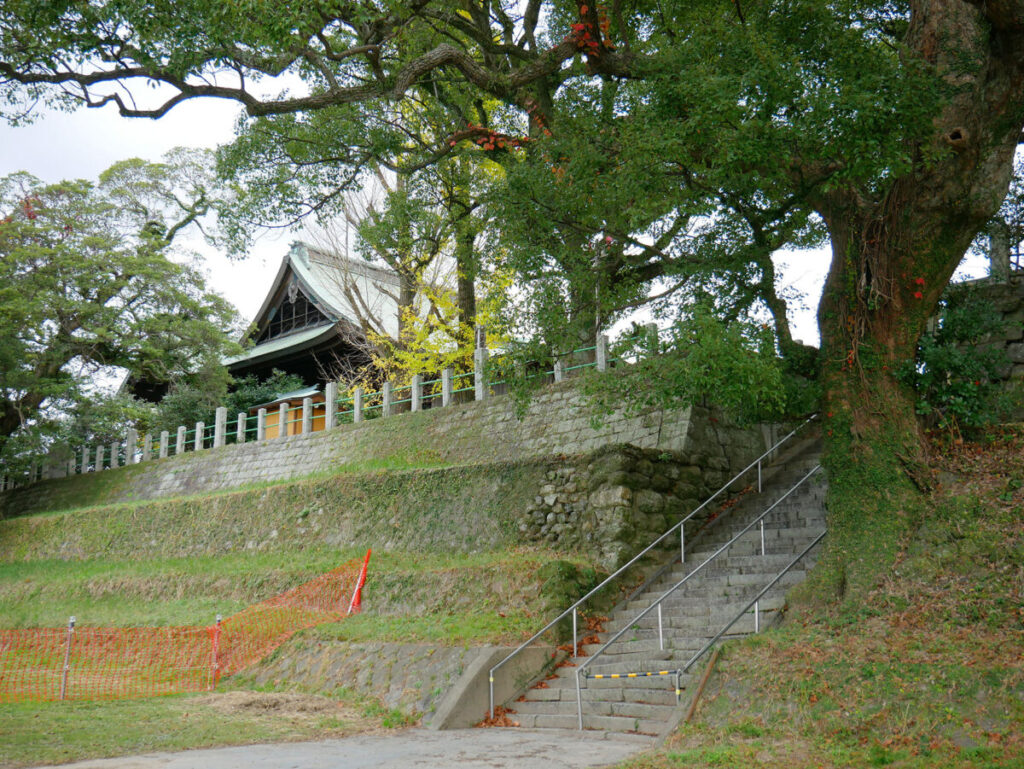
[{"x": 81, "y": 144}]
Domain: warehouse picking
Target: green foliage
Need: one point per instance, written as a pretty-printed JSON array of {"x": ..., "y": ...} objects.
[
  {"x": 733, "y": 366},
  {"x": 88, "y": 292},
  {"x": 957, "y": 372}
]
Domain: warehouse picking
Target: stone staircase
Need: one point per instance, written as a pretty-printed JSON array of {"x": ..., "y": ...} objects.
[{"x": 693, "y": 614}]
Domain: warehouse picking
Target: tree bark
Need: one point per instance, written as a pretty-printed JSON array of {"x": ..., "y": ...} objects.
[{"x": 894, "y": 252}]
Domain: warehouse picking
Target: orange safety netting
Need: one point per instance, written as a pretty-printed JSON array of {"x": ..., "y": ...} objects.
[{"x": 108, "y": 663}]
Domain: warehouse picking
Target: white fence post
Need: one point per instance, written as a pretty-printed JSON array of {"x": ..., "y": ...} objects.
[
  {"x": 85, "y": 460},
  {"x": 261, "y": 425},
  {"x": 99, "y": 458},
  {"x": 220, "y": 425},
  {"x": 417, "y": 392},
  {"x": 447, "y": 382},
  {"x": 559, "y": 370},
  {"x": 165, "y": 440},
  {"x": 115, "y": 461},
  {"x": 330, "y": 405},
  {"x": 200, "y": 436},
  {"x": 357, "y": 405},
  {"x": 282, "y": 420},
  {"x": 307, "y": 416},
  {"x": 602, "y": 352},
  {"x": 240, "y": 427},
  {"x": 147, "y": 447},
  {"x": 179, "y": 443},
  {"x": 386, "y": 399},
  {"x": 479, "y": 365}
]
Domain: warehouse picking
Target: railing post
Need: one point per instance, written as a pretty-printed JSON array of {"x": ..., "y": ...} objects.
[
  {"x": 147, "y": 447},
  {"x": 282, "y": 420},
  {"x": 85, "y": 460},
  {"x": 417, "y": 392},
  {"x": 240, "y": 420},
  {"x": 330, "y": 405},
  {"x": 164, "y": 441},
  {"x": 131, "y": 442},
  {"x": 261, "y": 425},
  {"x": 579, "y": 700},
  {"x": 67, "y": 659},
  {"x": 757, "y": 617},
  {"x": 575, "y": 648},
  {"x": 759, "y": 476},
  {"x": 179, "y": 441},
  {"x": 601, "y": 352},
  {"x": 682, "y": 543},
  {"x": 762, "y": 537},
  {"x": 357, "y": 405},
  {"x": 99, "y": 458},
  {"x": 220, "y": 426},
  {"x": 115, "y": 461},
  {"x": 447, "y": 382},
  {"x": 200, "y": 437},
  {"x": 479, "y": 380},
  {"x": 490, "y": 683},
  {"x": 559, "y": 370},
  {"x": 307, "y": 416},
  {"x": 385, "y": 395},
  {"x": 661, "y": 635}
]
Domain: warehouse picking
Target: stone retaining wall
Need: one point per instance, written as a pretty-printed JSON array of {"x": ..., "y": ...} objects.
[
  {"x": 409, "y": 677},
  {"x": 557, "y": 421}
]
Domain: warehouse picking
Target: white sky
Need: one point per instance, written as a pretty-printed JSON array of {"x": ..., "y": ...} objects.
[{"x": 82, "y": 144}]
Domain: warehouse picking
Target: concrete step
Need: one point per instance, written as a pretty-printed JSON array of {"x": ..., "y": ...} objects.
[
  {"x": 619, "y": 724},
  {"x": 669, "y": 643},
  {"x": 730, "y": 563},
  {"x": 644, "y": 710},
  {"x": 695, "y": 627},
  {"x": 601, "y": 690}
]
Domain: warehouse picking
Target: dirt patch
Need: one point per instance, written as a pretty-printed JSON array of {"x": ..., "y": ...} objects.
[{"x": 294, "y": 707}]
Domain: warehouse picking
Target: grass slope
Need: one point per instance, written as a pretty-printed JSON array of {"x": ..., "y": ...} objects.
[{"x": 927, "y": 672}]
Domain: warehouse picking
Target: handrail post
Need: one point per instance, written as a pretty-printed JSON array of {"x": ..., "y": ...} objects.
[
  {"x": 661, "y": 635},
  {"x": 67, "y": 659},
  {"x": 762, "y": 537},
  {"x": 759, "y": 476},
  {"x": 757, "y": 617},
  {"x": 579, "y": 700},
  {"x": 575, "y": 648},
  {"x": 490, "y": 682},
  {"x": 682, "y": 543}
]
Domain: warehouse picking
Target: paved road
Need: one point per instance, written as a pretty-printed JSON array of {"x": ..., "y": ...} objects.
[{"x": 409, "y": 749}]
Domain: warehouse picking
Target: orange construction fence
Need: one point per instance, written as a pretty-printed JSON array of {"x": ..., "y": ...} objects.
[{"x": 76, "y": 663}]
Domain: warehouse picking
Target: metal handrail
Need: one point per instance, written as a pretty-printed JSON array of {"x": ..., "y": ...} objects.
[
  {"x": 753, "y": 603},
  {"x": 709, "y": 559},
  {"x": 682, "y": 555}
]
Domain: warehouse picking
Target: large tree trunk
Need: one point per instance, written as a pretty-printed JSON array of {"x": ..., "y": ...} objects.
[
  {"x": 893, "y": 253},
  {"x": 465, "y": 266}
]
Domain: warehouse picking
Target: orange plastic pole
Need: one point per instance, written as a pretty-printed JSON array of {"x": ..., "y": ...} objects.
[{"x": 357, "y": 594}]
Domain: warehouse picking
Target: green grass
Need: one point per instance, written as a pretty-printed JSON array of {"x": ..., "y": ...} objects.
[
  {"x": 58, "y": 732},
  {"x": 458, "y": 629},
  {"x": 403, "y": 587}
]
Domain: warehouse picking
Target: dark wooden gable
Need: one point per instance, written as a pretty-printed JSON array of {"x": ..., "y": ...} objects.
[{"x": 292, "y": 311}]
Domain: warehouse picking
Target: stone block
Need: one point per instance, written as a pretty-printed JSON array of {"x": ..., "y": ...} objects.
[
  {"x": 610, "y": 496},
  {"x": 649, "y": 501}
]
